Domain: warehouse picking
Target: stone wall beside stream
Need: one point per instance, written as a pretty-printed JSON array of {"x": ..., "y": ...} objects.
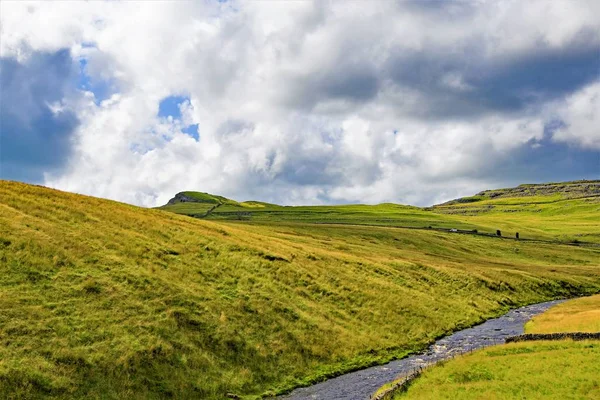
[{"x": 554, "y": 336}]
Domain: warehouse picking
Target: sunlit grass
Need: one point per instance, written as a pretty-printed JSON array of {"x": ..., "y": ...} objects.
[
  {"x": 552, "y": 216},
  {"x": 100, "y": 299},
  {"x": 579, "y": 315},
  {"x": 527, "y": 370}
]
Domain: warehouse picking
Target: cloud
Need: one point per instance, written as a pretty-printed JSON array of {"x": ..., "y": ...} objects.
[
  {"x": 580, "y": 117},
  {"x": 35, "y": 123},
  {"x": 316, "y": 102}
]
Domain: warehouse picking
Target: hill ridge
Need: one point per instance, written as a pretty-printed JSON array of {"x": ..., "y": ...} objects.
[
  {"x": 573, "y": 189},
  {"x": 569, "y": 189}
]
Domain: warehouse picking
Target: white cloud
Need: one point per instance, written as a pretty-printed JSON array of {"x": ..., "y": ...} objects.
[
  {"x": 581, "y": 115},
  {"x": 298, "y": 102}
]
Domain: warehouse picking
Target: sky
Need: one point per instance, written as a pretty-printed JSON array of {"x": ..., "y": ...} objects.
[{"x": 299, "y": 102}]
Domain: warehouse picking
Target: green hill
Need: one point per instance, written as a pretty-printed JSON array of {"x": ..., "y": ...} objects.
[
  {"x": 563, "y": 212},
  {"x": 567, "y": 211},
  {"x": 101, "y": 299},
  {"x": 540, "y": 192}
]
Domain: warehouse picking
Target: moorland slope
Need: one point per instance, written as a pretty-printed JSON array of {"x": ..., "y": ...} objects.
[{"x": 100, "y": 299}]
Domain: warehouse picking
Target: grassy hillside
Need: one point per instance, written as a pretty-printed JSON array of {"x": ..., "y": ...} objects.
[
  {"x": 564, "y": 212},
  {"x": 527, "y": 370},
  {"x": 100, "y": 299},
  {"x": 567, "y": 211}
]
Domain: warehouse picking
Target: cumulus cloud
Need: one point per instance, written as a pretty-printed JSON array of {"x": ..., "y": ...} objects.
[
  {"x": 313, "y": 102},
  {"x": 35, "y": 122},
  {"x": 580, "y": 115}
]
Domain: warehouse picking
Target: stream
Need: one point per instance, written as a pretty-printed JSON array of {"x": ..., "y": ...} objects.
[{"x": 360, "y": 385}]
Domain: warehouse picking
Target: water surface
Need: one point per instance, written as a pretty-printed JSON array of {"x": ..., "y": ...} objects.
[{"x": 360, "y": 385}]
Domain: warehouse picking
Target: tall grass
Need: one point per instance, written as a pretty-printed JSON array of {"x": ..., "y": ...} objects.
[
  {"x": 100, "y": 299},
  {"x": 579, "y": 315}
]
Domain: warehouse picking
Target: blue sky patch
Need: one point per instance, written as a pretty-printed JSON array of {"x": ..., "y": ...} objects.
[
  {"x": 169, "y": 106},
  {"x": 192, "y": 131}
]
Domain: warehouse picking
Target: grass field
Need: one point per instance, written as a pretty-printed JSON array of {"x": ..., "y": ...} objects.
[
  {"x": 567, "y": 212},
  {"x": 551, "y": 217},
  {"x": 527, "y": 370},
  {"x": 100, "y": 299},
  {"x": 579, "y": 315},
  {"x": 358, "y": 214}
]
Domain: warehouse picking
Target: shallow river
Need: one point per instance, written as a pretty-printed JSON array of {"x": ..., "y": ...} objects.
[{"x": 361, "y": 384}]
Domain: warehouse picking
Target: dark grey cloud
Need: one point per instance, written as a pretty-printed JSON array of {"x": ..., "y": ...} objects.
[
  {"x": 354, "y": 82},
  {"x": 490, "y": 86},
  {"x": 33, "y": 138},
  {"x": 446, "y": 8},
  {"x": 543, "y": 160},
  {"x": 234, "y": 126},
  {"x": 537, "y": 78},
  {"x": 348, "y": 81}
]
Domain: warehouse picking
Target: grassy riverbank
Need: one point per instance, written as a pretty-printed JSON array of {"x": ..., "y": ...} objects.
[
  {"x": 532, "y": 370},
  {"x": 529, "y": 370},
  {"x": 100, "y": 299},
  {"x": 579, "y": 315}
]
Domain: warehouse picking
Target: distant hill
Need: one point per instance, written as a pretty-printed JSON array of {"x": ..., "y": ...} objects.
[
  {"x": 563, "y": 211},
  {"x": 200, "y": 204},
  {"x": 200, "y": 197},
  {"x": 566, "y": 190}
]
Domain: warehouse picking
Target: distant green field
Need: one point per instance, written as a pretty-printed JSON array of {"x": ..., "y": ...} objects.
[
  {"x": 568, "y": 212},
  {"x": 100, "y": 299},
  {"x": 537, "y": 217},
  {"x": 199, "y": 209},
  {"x": 382, "y": 215},
  {"x": 570, "y": 216}
]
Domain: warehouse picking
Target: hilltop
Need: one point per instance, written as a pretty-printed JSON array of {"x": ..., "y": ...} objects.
[
  {"x": 559, "y": 190},
  {"x": 565, "y": 212},
  {"x": 101, "y": 299}
]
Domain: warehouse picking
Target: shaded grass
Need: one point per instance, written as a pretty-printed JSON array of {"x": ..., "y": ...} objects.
[{"x": 100, "y": 299}]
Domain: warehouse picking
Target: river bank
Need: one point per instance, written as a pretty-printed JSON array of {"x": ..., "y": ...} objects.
[{"x": 360, "y": 385}]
